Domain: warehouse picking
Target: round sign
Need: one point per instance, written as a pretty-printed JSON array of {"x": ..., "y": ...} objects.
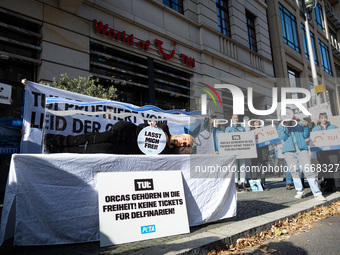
[{"x": 151, "y": 140}]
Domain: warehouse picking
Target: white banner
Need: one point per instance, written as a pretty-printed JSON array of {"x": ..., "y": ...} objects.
[
  {"x": 5, "y": 93},
  {"x": 36, "y": 95},
  {"x": 325, "y": 140},
  {"x": 241, "y": 144},
  {"x": 266, "y": 135},
  {"x": 136, "y": 206}
]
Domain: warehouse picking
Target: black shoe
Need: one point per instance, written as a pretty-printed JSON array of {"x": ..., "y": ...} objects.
[
  {"x": 241, "y": 187},
  {"x": 264, "y": 187}
]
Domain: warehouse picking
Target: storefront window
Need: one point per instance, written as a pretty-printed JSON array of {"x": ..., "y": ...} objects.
[
  {"x": 19, "y": 49},
  {"x": 134, "y": 77}
]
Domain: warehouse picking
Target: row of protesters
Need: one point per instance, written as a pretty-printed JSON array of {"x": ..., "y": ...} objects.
[
  {"x": 261, "y": 160},
  {"x": 326, "y": 158},
  {"x": 296, "y": 153},
  {"x": 120, "y": 139}
]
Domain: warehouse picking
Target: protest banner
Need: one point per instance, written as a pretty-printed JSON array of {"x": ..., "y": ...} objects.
[
  {"x": 5, "y": 93},
  {"x": 95, "y": 115},
  {"x": 266, "y": 135},
  {"x": 241, "y": 144},
  {"x": 142, "y": 205}
]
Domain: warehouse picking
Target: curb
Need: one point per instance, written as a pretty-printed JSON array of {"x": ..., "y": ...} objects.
[
  {"x": 205, "y": 249},
  {"x": 203, "y": 242}
]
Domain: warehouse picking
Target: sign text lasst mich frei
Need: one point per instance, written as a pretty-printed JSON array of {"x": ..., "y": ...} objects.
[{"x": 129, "y": 39}]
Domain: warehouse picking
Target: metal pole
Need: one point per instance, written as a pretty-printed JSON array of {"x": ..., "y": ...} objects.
[{"x": 311, "y": 58}]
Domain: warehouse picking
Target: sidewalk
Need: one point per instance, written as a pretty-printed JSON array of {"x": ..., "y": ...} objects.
[{"x": 256, "y": 211}]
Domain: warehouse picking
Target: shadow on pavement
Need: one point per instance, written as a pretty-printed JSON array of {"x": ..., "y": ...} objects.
[
  {"x": 284, "y": 248},
  {"x": 245, "y": 209}
]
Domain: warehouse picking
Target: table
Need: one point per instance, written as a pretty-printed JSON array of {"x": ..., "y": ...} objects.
[{"x": 52, "y": 198}]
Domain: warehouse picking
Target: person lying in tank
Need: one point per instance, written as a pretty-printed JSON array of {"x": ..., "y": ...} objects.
[{"x": 120, "y": 139}]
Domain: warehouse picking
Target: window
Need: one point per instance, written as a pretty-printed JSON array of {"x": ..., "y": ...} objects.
[
  {"x": 20, "y": 49},
  {"x": 294, "y": 81},
  {"x": 134, "y": 76},
  {"x": 176, "y": 5},
  {"x": 289, "y": 29},
  {"x": 325, "y": 58},
  {"x": 223, "y": 17},
  {"x": 330, "y": 100},
  {"x": 332, "y": 34},
  {"x": 250, "y": 18},
  {"x": 318, "y": 16},
  {"x": 305, "y": 44}
]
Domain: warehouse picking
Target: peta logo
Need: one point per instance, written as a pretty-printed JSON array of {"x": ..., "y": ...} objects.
[
  {"x": 148, "y": 229},
  {"x": 238, "y": 100}
]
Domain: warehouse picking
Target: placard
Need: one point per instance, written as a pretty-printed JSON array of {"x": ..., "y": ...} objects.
[
  {"x": 320, "y": 108},
  {"x": 266, "y": 135},
  {"x": 142, "y": 205},
  {"x": 151, "y": 140},
  {"x": 5, "y": 93},
  {"x": 255, "y": 185},
  {"x": 241, "y": 144},
  {"x": 325, "y": 140}
]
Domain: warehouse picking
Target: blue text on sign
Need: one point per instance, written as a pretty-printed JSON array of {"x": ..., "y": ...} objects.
[{"x": 148, "y": 229}]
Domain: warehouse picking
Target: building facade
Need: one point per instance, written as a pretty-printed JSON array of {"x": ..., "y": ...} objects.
[
  {"x": 291, "y": 55},
  {"x": 153, "y": 51}
]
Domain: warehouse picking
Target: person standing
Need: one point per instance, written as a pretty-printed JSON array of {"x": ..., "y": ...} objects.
[
  {"x": 261, "y": 159},
  {"x": 241, "y": 163},
  {"x": 295, "y": 151},
  {"x": 326, "y": 158},
  {"x": 274, "y": 157}
]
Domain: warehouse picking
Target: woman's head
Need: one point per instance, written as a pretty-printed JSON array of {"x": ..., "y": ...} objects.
[
  {"x": 234, "y": 119},
  {"x": 256, "y": 123},
  {"x": 323, "y": 118}
]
